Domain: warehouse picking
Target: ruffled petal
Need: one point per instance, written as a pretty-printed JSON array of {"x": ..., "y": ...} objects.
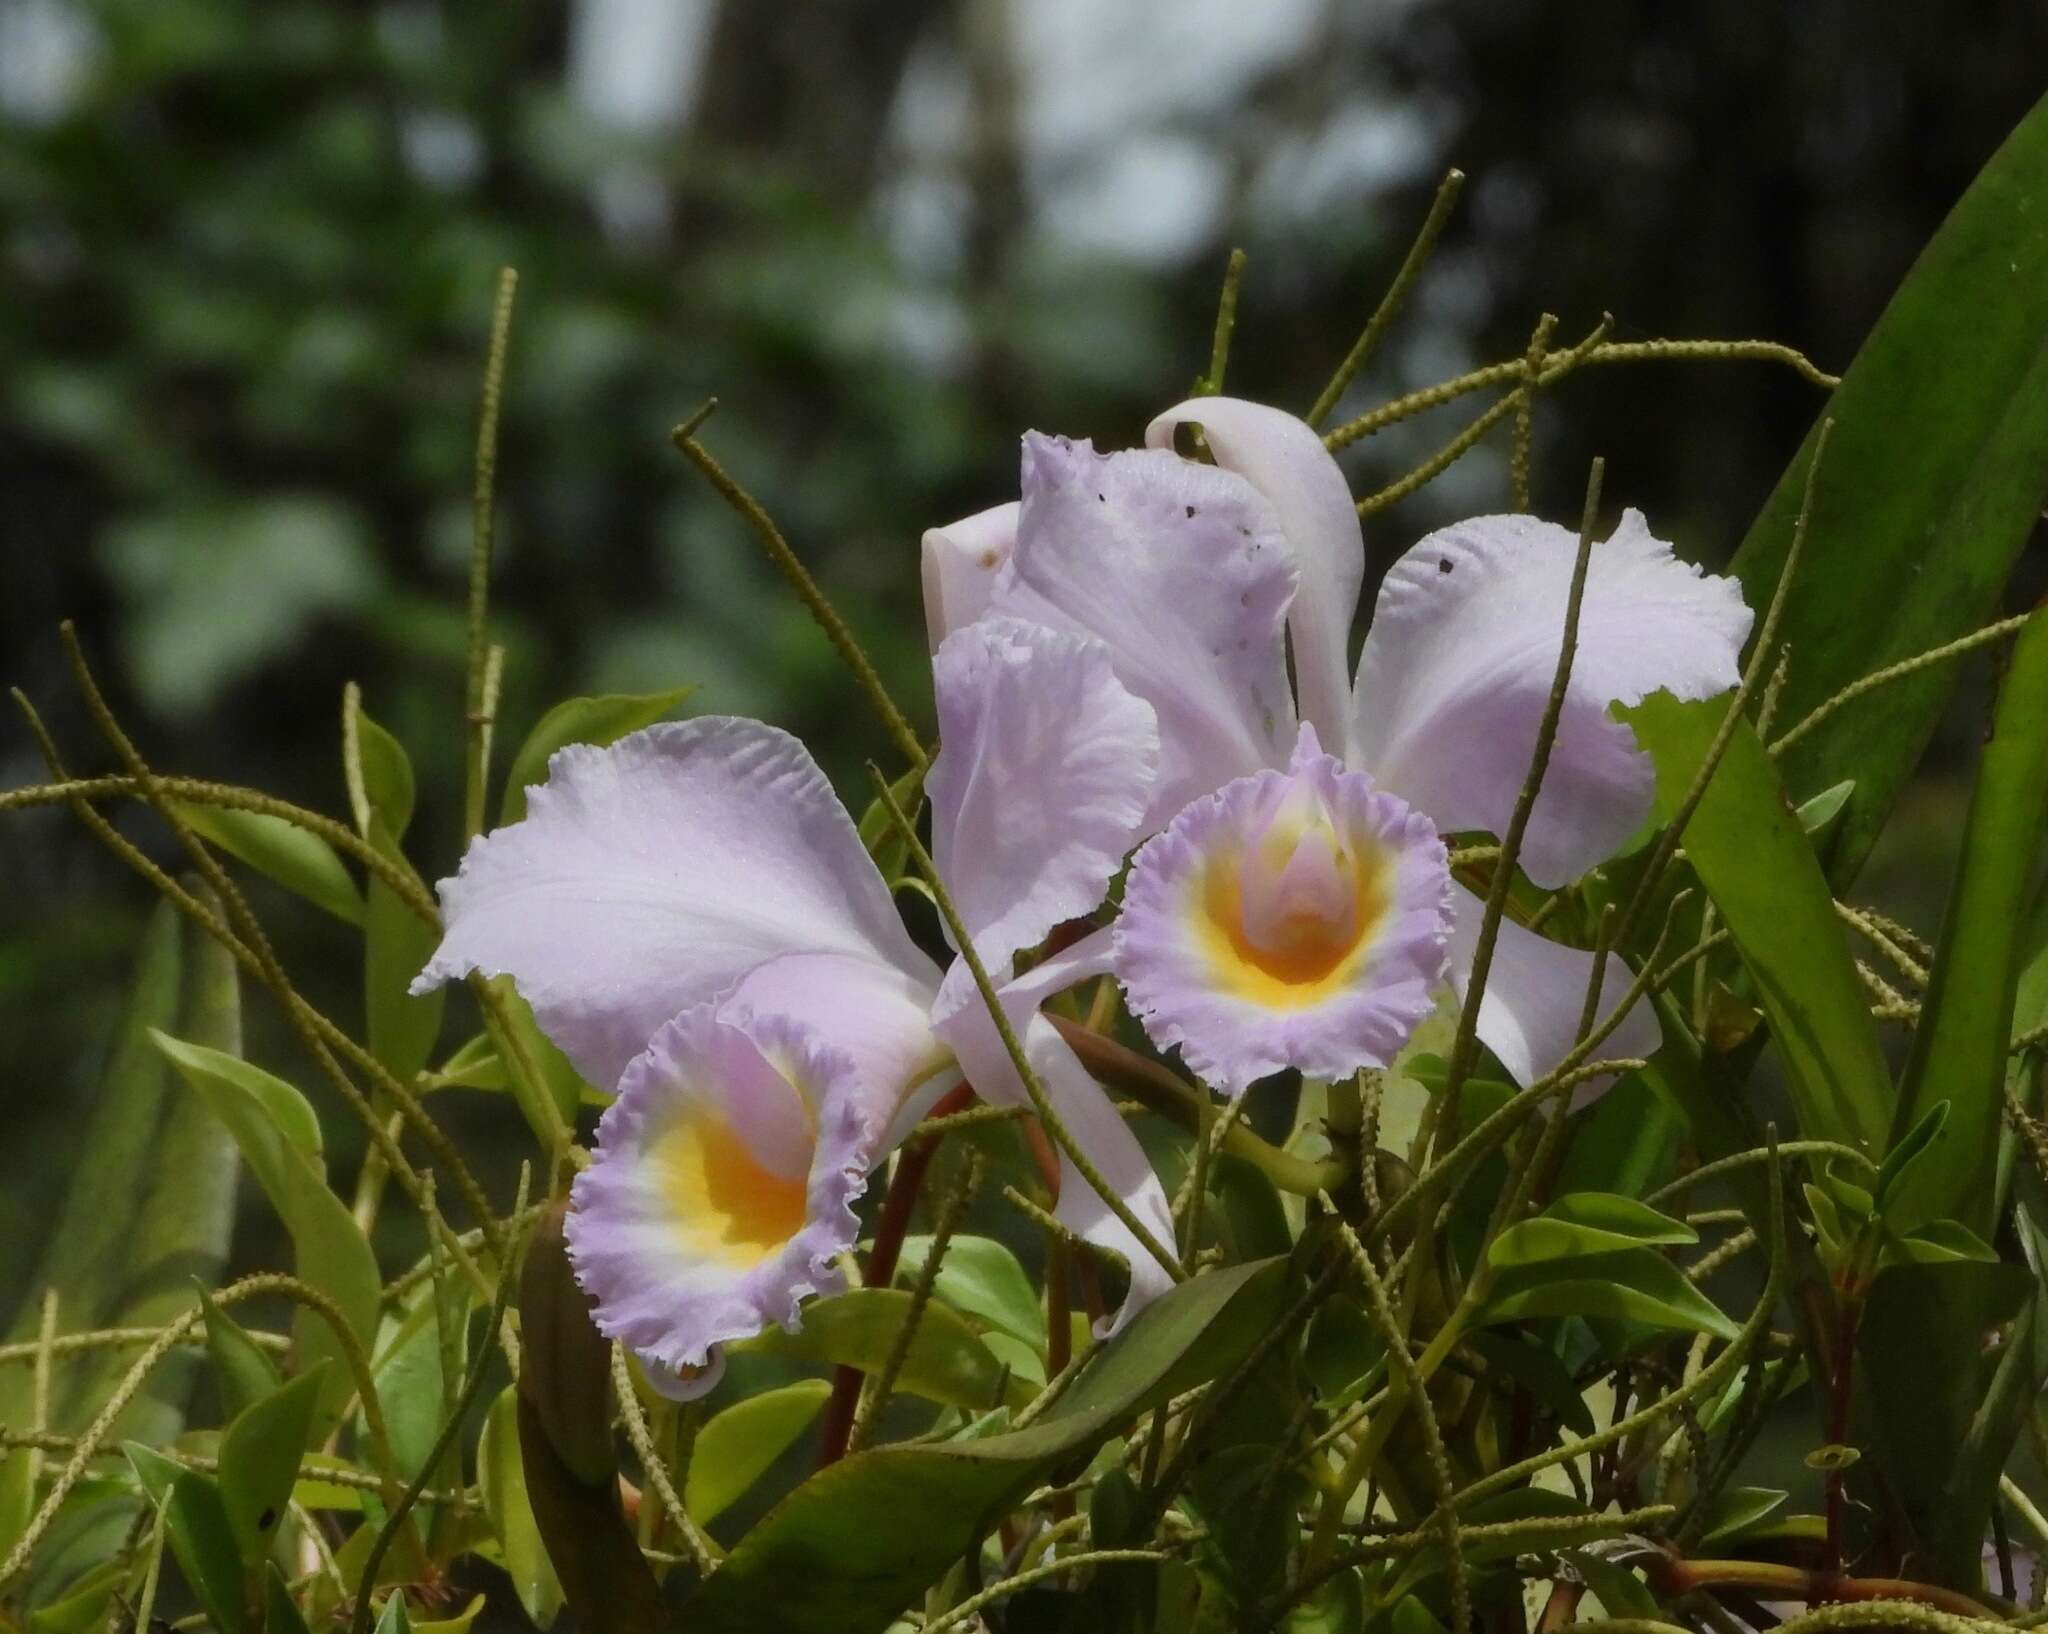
[
  {"x": 1092, "y": 1119},
  {"x": 649, "y": 876},
  {"x": 1044, "y": 773},
  {"x": 1292, "y": 919},
  {"x": 1181, "y": 571},
  {"x": 721, "y": 1191},
  {"x": 1285, "y": 460},
  {"x": 874, "y": 1014},
  {"x": 1459, "y": 661},
  {"x": 1535, "y": 989},
  {"x": 960, "y": 566}
]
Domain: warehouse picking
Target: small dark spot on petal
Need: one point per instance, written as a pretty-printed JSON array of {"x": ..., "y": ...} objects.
[
  {"x": 1104, "y": 498},
  {"x": 1443, "y": 564},
  {"x": 1191, "y": 510}
]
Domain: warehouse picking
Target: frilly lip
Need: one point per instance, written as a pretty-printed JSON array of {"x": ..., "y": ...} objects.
[
  {"x": 647, "y": 1291},
  {"x": 1230, "y": 1039}
]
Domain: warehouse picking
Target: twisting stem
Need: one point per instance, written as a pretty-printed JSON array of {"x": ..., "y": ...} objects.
[
  {"x": 806, "y": 587},
  {"x": 892, "y": 1225},
  {"x": 1396, "y": 296},
  {"x": 479, "y": 703},
  {"x": 1041, "y": 1103}
]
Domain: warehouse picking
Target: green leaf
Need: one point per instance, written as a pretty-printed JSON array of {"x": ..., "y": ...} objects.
[
  {"x": 502, "y": 1479},
  {"x": 1749, "y": 851},
  {"x": 17, "y": 1496},
  {"x": 280, "y": 1612},
  {"x": 947, "y": 1361},
  {"x": 1941, "y": 1240},
  {"x": 1737, "y": 1511},
  {"x": 376, "y": 767},
  {"x": 83, "y": 1606},
  {"x": 259, "y": 1462},
  {"x": 202, "y": 1537},
  {"x": 301, "y": 862},
  {"x": 981, "y": 1278},
  {"x": 736, "y": 1447},
  {"x": 150, "y": 1204},
  {"x": 820, "y": 1563},
  {"x": 1934, "y": 475},
  {"x": 274, "y": 1128},
  {"x": 598, "y": 720},
  {"x": 242, "y": 1369},
  {"x": 1622, "y": 1217},
  {"x": 1621, "y": 1592},
  {"x": 1342, "y": 1353},
  {"x": 1629, "y": 1284},
  {"x": 1924, "y": 1395},
  {"x": 1960, "y": 1046},
  {"x": 460, "y": 1623},
  {"x": 1907, "y": 1148},
  {"x": 394, "y": 1618}
]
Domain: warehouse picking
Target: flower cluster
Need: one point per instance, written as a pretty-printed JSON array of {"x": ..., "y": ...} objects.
[{"x": 694, "y": 919}]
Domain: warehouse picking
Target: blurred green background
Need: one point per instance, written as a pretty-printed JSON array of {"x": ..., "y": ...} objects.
[{"x": 247, "y": 254}]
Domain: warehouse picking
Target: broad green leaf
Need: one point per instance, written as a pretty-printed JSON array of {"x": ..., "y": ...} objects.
[
  {"x": 1737, "y": 1511},
  {"x": 502, "y": 1479},
  {"x": 458, "y": 1624},
  {"x": 1621, "y": 1592},
  {"x": 559, "y": 1079},
  {"x": 1245, "y": 1503},
  {"x": 327, "y": 1244},
  {"x": 981, "y": 1278},
  {"x": 1542, "y": 1240},
  {"x": 412, "y": 1382},
  {"x": 857, "y": 1542},
  {"x": 1342, "y": 1353},
  {"x": 242, "y": 1369},
  {"x": 301, "y": 862},
  {"x": 259, "y": 1462},
  {"x": 84, "y": 1606},
  {"x": 1933, "y": 478},
  {"x": 17, "y": 1496},
  {"x": 1940, "y": 1240},
  {"x": 394, "y": 1618},
  {"x": 1245, "y": 1210},
  {"x": 202, "y": 1537},
  {"x": 1753, "y": 858},
  {"x": 1925, "y": 1395},
  {"x": 1908, "y": 1148},
  {"x": 1622, "y": 1217},
  {"x": 2015, "y": 1385},
  {"x": 312, "y": 1492},
  {"x": 376, "y": 768},
  {"x": 598, "y": 720},
  {"x": 154, "y": 1168},
  {"x": 1626, "y": 1142},
  {"x": 736, "y": 1447},
  {"x": 1628, "y": 1284},
  {"x": 946, "y": 1363},
  {"x": 1960, "y": 1046}
]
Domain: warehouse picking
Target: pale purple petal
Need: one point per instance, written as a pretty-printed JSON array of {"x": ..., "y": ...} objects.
[
  {"x": 872, "y": 1013},
  {"x": 1535, "y": 992},
  {"x": 649, "y": 876},
  {"x": 1181, "y": 571},
  {"x": 1285, "y": 460},
  {"x": 1044, "y": 773},
  {"x": 960, "y": 566},
  {"x": 1088, "y": 1113},
  {"x": 721, "y": 1190},
  {"x": 1292, "y": 919},
  {"x": 1460, "y": 658}
]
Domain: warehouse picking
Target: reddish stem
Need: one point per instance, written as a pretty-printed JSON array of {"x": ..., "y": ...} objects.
[
  {"x": 892, "y": 1224},
  {"x": 1672, "y": 1576}
]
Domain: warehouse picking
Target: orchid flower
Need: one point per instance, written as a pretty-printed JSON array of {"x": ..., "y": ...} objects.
[
  {"x": 1294, "y": 907},
  {"x": 693, "y": 918}
]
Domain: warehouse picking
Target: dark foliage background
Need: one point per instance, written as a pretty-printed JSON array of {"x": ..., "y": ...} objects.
[{"x": 247, "y": 255}]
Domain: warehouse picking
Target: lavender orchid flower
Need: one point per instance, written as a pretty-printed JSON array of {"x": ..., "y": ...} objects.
[
  {"x": 1295, "y": 906},
  {"x": 693, "y": 918}
]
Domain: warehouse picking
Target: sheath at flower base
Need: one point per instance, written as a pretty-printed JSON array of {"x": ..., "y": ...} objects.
[
  {"x": 1197, "y": 578},
  {"x": 692, "y": 916}
]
